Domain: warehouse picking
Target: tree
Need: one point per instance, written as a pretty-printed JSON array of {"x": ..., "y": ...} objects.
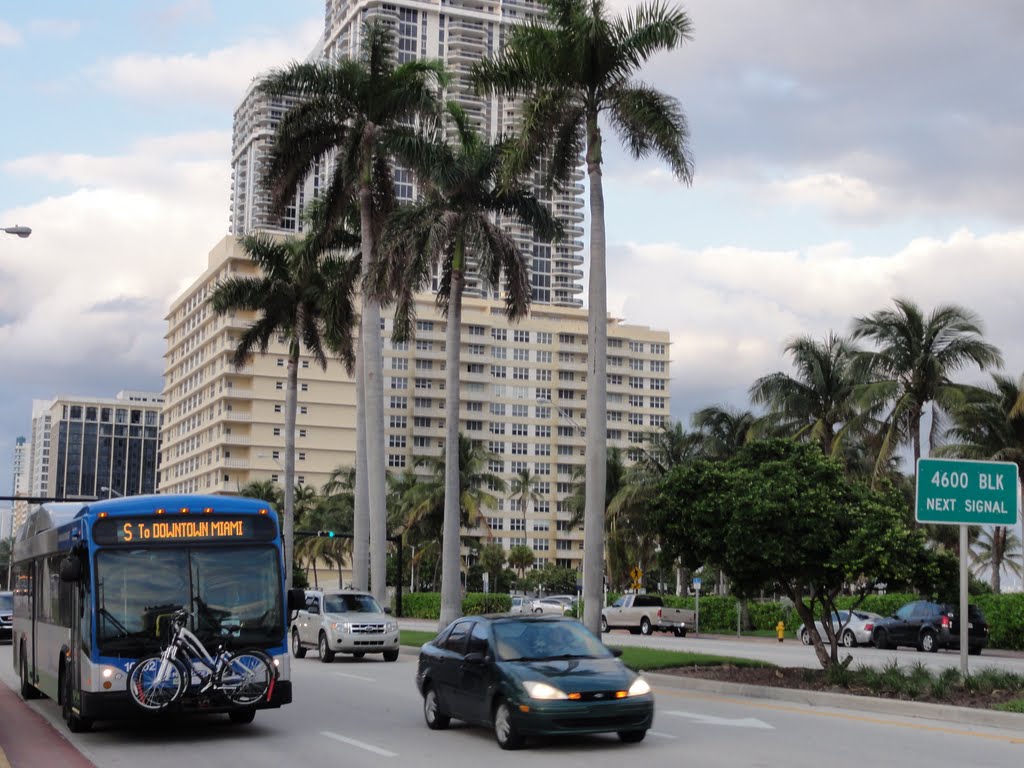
[
  {"x": 574, "y": 67},
  {"x": 817, "y": 403},
  {"x": 449, "y": 228},
  {"x": 303, "y": 291},
  {"x": 724, "y": 431},
  {"x": 267, "y": 490},
  {"x": 356, "y": 114},
  {"x": 912, "y": 365},
  {"x": 988, "y": 425},
  {"x": 492, "y": 560},
  {"x": 521, "y": 557},
  {"x": 780, "y": 512},
  {"x": 522, "y": 490}
]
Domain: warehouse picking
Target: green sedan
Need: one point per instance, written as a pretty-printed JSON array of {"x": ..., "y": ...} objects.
[{"x": 530, "y": 675}]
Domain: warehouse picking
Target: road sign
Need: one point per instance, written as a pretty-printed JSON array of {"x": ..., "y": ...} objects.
[
  {"x": 636, "y": 574},
  {"x": 696, "y": 583},
  {"x": 963, "y": 492}
]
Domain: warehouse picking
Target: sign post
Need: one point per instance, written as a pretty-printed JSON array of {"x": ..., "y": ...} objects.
[
  {"x": 696, "y": 620},
  {"x": 964, "y": 492}
]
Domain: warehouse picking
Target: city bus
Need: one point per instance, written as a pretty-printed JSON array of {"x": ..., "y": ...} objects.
[{"x": 95, "y": 581}]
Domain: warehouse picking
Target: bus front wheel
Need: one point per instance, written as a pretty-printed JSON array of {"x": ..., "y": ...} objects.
[
  {"x": 76, "y": 723},
  {"x": 28, "y": 691}
]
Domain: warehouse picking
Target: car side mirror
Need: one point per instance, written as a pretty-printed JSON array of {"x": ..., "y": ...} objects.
[
  {"x": 71, "y": 569},
  {"x": 616, "y": 652},
  {"x": 475, "y": 657},
  {"x": 387, "y": 609},
  {"x": 296, "y": 599}
]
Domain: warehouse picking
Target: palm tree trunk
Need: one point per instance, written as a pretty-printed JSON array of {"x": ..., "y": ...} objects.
[
  {"x": 290, "y": 406},
  {"x": 451, "y": 590},
  {"x": 597, "y": 392},
  {"x": 373, "y": 370},
  {"x": 998, "y": 553},
  {"x": 361, "y": 510}
]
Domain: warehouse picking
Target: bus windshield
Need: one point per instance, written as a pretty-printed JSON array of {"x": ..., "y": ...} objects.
[{"x": 234, "y": 595}]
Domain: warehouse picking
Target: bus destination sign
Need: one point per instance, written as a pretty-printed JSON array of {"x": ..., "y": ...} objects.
[{"x": 165, "y": 529}]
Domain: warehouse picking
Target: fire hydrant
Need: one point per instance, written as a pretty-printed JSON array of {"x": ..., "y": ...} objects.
[{"x": 780, "y": 630}]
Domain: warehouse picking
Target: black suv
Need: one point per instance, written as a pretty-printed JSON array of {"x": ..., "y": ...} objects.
[{"x": 929, "y": 626}]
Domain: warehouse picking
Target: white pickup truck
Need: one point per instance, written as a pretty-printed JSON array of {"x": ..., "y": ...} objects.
[
  {"x": 344, "y": 621},
  {"x": 645, "y": 614}
]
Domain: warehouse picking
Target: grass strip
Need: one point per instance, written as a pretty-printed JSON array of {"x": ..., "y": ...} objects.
[{"x": 638, "y": 658}]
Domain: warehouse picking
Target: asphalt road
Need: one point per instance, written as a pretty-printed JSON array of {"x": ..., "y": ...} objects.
[{"x": 367, "y": 713}]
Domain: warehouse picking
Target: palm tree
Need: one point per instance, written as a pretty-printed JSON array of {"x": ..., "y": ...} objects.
[
  {"x": 522, "y": 489},
  {"x": 450, "y": 227},
  {"x": 990, "y": 426},
  {"x": 912, "y": 365},
  {"x": 267, "y": 490},
  {"x": 997, "y": 549},
  {"x": 724, "y": 430},
  {"x": 574, "y": 66},
  {"x": 818, "y": 402},
  {"x": 303, "y": 291},
  {"x": 356, "y": 114}
]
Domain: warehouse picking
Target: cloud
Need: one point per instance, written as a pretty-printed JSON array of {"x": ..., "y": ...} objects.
[
  {"x": 731, "y": 311},
  {"x": 218, "y": 77},
  {"x": 9, "y": 35}
]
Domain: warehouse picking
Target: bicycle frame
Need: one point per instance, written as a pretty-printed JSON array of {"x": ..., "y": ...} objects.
[{"x": 182, "y": 646}]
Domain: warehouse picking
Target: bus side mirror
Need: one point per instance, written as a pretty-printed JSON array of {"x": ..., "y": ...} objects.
[
  {"x": 71, "y": 569},
  {"x": 296, "y": 599}
]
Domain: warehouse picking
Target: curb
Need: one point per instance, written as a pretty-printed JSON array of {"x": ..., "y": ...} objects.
[{"x": 875, "y": 705}]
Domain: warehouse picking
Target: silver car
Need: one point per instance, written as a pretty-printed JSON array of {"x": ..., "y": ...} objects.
[
  {"x": 853, "y": 628},
  {"x": 521, "y": 604},
  {"x": 561, "y": 605}
]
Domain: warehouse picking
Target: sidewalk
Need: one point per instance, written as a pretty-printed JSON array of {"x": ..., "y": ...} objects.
[{"x": 27, "y": 740}]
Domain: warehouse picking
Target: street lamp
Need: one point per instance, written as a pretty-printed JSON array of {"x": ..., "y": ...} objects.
[
  {"x": 17, "y": 230},
  {"x": 110, "y": 491},
  {"x": 563, "y": 414}
]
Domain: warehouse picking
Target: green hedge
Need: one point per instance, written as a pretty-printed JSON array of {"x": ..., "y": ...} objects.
[{"x": 427, "y": 605}]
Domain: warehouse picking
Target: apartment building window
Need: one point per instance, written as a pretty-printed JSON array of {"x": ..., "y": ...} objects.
[
  {"x": 566, "y": 338},
  {"x": 397, "y": 422},
  {"x": 516, "y": 524},
  {"x": 280, "y": 362},
  {"x": 275, "y": 454},
  {"x": 477, "y": 330},
  {"x": 303, "y": 409},
  {"x": 273, "y": 478},
  {"x": 636, "y": 401},
  {"x": 615, "y": 379},
  {"x": 543, "y": 393},
  {"x": 562, "y": 525},
  {"x": 563, "y": 488},
  {"x": 499, "y": 334},
  {"x": 424, "y": 384},
  {"x": 520, "y": 430},
  {"x": 543, "y": 374},
  {"x": 614, "y": 362},
  {"x": 495, "y": 446},
  {"x": 420, "y": 442},
  {"x": 614, "y": 343},
  {"x": 542, "y": 449},
  {"x": 637, "y": 419},
  {"x": 302, "y": 455},
  {"x": 614, "y": 434},
  {"x": 518, "y": 466},
  {"x": 566, "y": 394},
  {"x": 543, "y": 356},
  {"x": 519, "y": 449},
  {"x": 400, "y": 363},
  {"x": 635, "y": 364},
  {"x": 474, "y": 406},
  {"x": 520, "y": 374},
  {"x": 424, "y": 325},
  {"x": 277, "y": 431},
  {"x": 563, "y": 545},
  {"x": 657, "y": 420},
  {"x": 517, "y": 541},
  {"x": 496, "y": 467},
  {"x": 475, "y": 368},
  {"x": 657, "y": 349},
  {"x": 542, "y": 468},
  {"x": 520, "y": 354},
  {"x": 424, "y": 345},
  {"x": 396, "y": 460},
  {"x": 540, "y": 525},
  {"x": 424, "y": 365},
  {"x": 565, "y": 450},
  {"x": 614, "y": 415},
  {"x": 476, "y": 349},
  {"x": 422, "y": 402},
  {"x": 396, "y": 441},
  {"x": 543, "y": 337},
  {"x": 278, "y": 385},
  {"x": 305, "y": 363},
  {"x": 566, "y": 431},
  {"x": 399, "y": 346},
  {"x": 636, "y": 346},
  {"x": 521, "y": 337},
  {"x": 421, "y": 421},
  {"x": 399, "y": 382},
  {"x": 658, "y": 384},
  {"x": 277, "y": 407},
  {"x": 498, "y": 371},
  {"x": 658, "y": 366},
  {"x": 658, "y": 402},
  {"x": 566, "y": 376},
  {"x": 474, "y": 426},
  {"x": 497, "y": 427},
  {"x": 543, "y": 412},
  {"x": 399, "y": 402},
  {"x": 636, "y": 437},
  {"x": 541, "y": 545},
  {"x": 636, "y": 382},
  {"x": 499, "y": 353}
]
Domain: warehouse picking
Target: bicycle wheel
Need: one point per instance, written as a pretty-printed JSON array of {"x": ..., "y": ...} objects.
[
  {"x": 246, "y": 677},
  {"x": 151, "y": 690}
]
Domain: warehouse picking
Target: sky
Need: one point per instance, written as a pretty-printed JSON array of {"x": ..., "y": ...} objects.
[{"x": 845, "y": 154}]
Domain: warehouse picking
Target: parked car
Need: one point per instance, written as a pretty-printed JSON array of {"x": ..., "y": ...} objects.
[
  {"x": 530, "y": 675},
  {"x": 6, "y": 615},
  {"x": 645, "y": 614},
  {"x": 560, "y": 605},
  {"x": 853, "y": 628},
  {"x": 521, "y": 604},
  {"x": 344, "y": 621},
  {"x": 929, "y": 626}
]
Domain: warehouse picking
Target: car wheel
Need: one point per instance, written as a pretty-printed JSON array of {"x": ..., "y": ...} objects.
[
  {"x": 242, "y": 716},
  {"x": 435, "y": 718},
  {"x": 881, "y": 639},
  {"x": 604, "y": 624},
  {"x": 326, "y": 654},
  {"x": 297, "y": 650},
  {"x": 76, "y": 723},
  {"x": 927, "y": 642},
  {"x": 538, "y": 610},
  {"x": 805, "y": 637},
  {"x": 504, "y": 729},
  {"x": 632, "y": 737},
  {"x": 390, "y": 655},
  {"x": 849, "y": 640},
  {"x": 645, "y": 626}
]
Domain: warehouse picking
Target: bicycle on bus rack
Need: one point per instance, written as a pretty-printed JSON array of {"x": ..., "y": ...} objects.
[{"x": 240, "y": 679}]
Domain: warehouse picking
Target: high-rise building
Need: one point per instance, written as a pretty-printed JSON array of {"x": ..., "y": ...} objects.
[
  {"x": 522, "y": 397},
  {"x": 459, "y": 33},
  {"x": 19, "y": 487},
  {"x": 95, "y": 446}
]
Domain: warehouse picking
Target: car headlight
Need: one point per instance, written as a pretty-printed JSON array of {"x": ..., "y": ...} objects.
[
  {"x": 639, "y": 687},
  {"x": 391, "y": 626},
  {"x": 538, "y": 690}
]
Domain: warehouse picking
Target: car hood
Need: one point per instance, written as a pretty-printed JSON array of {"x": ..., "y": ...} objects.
[
  {"x": 358, "y": 617},
  {"x": 574, "y": 674}
]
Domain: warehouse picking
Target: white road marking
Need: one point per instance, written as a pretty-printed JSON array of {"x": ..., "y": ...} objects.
[
  {"x": 355, "y": 677},
  {"x": 360, "y": 744},
  {"x": 743, "y": 722},
  {"x": 661, "y": 735}
]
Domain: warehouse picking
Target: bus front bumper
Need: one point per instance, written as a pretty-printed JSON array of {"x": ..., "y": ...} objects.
[{"x": 117, "y": 705}]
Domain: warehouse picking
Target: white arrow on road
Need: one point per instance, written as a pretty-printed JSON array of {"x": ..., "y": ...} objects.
[{"x": 744, "y": 722}]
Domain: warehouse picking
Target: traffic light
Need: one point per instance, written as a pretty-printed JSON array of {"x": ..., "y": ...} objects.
[{"x": 328, "y": 534}]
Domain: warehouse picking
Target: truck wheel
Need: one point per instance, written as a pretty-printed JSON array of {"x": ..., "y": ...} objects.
[
  {"x": 645, "y": 626},
  {"x": 326, "y": 654},
  {"x": 390, "y": 655},
  {"x": 297, "y": 650},
  {"x": 680, "y": 631},
  {"x": 604, "y": 624}
]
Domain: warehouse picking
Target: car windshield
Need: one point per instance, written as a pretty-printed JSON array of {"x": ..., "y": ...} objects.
[
  {"x": 351, "y": 604},
  {"x": 539, "y": 640}
]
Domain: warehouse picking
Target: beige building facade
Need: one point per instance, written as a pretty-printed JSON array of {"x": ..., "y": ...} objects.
[{"x": 523, "y": 390}]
